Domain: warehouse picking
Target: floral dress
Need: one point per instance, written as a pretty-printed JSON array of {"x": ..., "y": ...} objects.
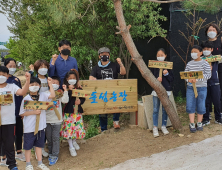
[{"x": 72, "y": 127}]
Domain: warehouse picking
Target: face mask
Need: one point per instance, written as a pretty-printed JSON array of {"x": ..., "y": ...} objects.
[
  {"x": 3, "y": 79},
  {"x": 12, "y": 71},
  {"x": 160, "y": 58},
  {"x": 43, "y": 71},
  {"x": 55, "y": 86},
  {"x": 211, "y": 34},
  {"x": 34, "y": 89},
  {"x": 65, "y": 51},
  {"x": 194, "y": 55},
  {"x": 104, "y": 58},
  {"x": 72, "y": 81},
  {"x": 206, "y": 53}
]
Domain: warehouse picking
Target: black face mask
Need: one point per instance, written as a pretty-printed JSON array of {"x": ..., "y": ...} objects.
[
  {"x": 35, "y": 97},
  {"x": 104, "y": 58},
  {"x": 65, "y": 51}
]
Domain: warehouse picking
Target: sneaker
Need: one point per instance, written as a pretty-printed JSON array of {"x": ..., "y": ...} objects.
[
  {"x": 218, "y": 121},
  {"x": 192, "y": 128},
  {"x": 76, "y": 146},
  {"x": 205, "y": 122},
  {"x": 49, "y": 159},
  {"x": 3, "y": 162},
  {"x": 155, "y": 132},
  {"x": 53, "y": 161},
  {"x": 210, "y": 118},
  {"x": 15, "y": 168},
  {"x": 44, "y": 153},
  {"x": 29, "y": 167},
  {"x": 164, "y": 130},
  {"x": 72, "y": 151},
  {"x": 199, "y": 126},
  {"x": 116, "y": 125},
  {"x": 20, "y": 157},
  {"x": 42, "y": 167}
]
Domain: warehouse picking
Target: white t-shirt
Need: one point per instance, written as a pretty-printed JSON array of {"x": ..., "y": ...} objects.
[
  {"x": 50, "y": 114},
  {"x": 44, "y": 85},
  {"x": 8, "y": 110},
  {"x": 29, "y": 121}
]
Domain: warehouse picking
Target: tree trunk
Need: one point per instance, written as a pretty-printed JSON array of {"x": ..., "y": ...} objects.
[{"x": 146, "y": 73}]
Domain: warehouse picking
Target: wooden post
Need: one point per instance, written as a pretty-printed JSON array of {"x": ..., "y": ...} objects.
[
  {"x": 5, "y": 99},
  {"x": 38, "y": 105},
  {"x": 192, "y": 75},
  {"x": 161, "y": 65},
  {"x": 59, "y": 94}
]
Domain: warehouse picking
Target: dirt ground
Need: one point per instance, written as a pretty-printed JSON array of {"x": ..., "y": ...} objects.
[{"x": 113, "y": 147}]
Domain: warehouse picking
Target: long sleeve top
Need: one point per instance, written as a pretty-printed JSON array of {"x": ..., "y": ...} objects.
[{"x": 201, "y": 65}]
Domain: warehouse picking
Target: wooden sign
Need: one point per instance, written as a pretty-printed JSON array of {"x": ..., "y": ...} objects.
[
  {"x": 192, "y": 75},
  {"x": 58, "y": 94},
  {"x": 212, "y": 58},
  {"x": 109, "y": 96},
  {"x": 81, "y": 93},
  {"x": 5, "y": 99},
  {"x": 161, "y": 65},
  {"x": 38, "y": 105}
]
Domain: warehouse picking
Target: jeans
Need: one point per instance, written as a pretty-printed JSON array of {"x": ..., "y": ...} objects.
[
  {"x": 103, "y": 120},
  {"x": 192, "y": 103},
  {"x": 156, "y": 106}
]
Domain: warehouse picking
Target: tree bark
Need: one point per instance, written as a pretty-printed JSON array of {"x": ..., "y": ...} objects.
[{"x": 146, "y": 73}]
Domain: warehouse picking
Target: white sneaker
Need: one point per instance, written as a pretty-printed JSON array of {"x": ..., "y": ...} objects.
[
  {"x": 72, "y": 151},
  {"x": 43, "y": 167},
  {"x": 44, "y": 153},
  {"x": 20, "y": 157},
  {"x": 29, "y": 167},
  {"x": 155, "y": 132},
  {"x": 3, "y": 162},
  {"x": 76, "y": 146},
  {"x": 164, "y": 130}
]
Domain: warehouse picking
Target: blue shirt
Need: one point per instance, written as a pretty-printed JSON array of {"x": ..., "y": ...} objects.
[
  {"x": 18, "y": 99},
  {"x": 61, "y": 67}
]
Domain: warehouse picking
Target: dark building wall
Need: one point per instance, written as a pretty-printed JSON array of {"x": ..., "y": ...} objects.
[{"x": 176, "y": 21}]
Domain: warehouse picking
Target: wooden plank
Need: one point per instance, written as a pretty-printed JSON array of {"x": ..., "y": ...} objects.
[
  {"x": 81, "y": 93},
  {"x": 160, "y": 64},
  {"x": 6, "y": 99},
  {"x": 191, "y": 75},
  {"x": 212, "y": 58},
  {"x": 109, "y": 96},
  {"x": 38, "y": 105}
]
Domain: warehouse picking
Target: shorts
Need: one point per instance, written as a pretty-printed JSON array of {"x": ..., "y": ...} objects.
[
  {"x": 31, "y": 140},
  {"x": 196, "y": 104}
]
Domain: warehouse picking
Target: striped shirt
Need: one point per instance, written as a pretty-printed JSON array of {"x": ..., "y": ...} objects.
[{"x": 201, "y": 65}]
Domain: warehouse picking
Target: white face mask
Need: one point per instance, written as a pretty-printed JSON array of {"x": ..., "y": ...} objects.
[
  {"x": 161, "y": 58},
  {"x": 12, "y": 71},
  {"x": 55, "y": 86},
  {"x": 72, "y": 81},
  {"x": 43, "y": 71},
  {"x": 206, "y": 52},
  {"x": 3, "y": 79},
  {"x": 211, "y": 34},
  {"x": 34, "y": 89},
  {"x": 194, "y": 55}
]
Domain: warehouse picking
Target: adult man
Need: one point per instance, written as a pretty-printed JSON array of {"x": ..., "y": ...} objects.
[
  {"x": 62, "y": 63},
  {"x": 107, "y": 70}
]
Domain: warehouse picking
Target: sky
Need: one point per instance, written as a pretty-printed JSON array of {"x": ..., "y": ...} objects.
[{"x": 4, "y": 32}]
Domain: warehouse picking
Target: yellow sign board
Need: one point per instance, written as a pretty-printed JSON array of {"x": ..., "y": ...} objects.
[
  {"x": 212, "y": 58},
  {"x": 191, "y": 75},
  {"x": 81, "y": 93},
  {"x": 38, "y": 105},
  {"x": 160, "y": 64},
  {"x": 109, "y": 96},
  {"x": 6, "y": 99}
]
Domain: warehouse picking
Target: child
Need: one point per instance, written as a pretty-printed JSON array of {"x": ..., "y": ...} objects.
[
  {"x": 41, "y": 67},
  {"x": 53, "y": 123},
  {"x": 10, "y": 63},
  {"x": 166, "y": 79},
  {"x": 72, "y": 127},
  {"x": 213, "y": 87},
  {"x": 7, "y": 128},
  {"x": 29, "y": 121},
  {"x": 193, "y": 104}
]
